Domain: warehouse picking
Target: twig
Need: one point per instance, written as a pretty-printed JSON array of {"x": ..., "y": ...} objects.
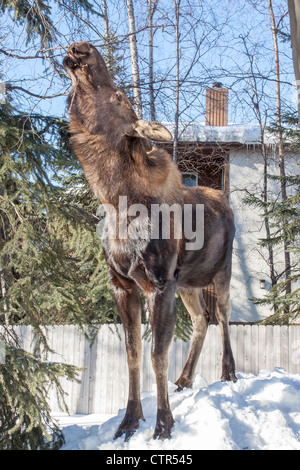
[{"x": 14, "y": 87}]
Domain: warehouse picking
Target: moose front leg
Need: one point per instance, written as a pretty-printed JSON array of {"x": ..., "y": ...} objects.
[
  {"x": 163, "y": 316},
  {"x": 129, "y": 307}
]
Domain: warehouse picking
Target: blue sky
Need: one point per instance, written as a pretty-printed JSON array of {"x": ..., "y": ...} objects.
[{"x": 223, "y": 31}]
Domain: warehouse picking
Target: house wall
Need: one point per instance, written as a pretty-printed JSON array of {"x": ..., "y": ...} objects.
[{"x": 249, "y": 259}]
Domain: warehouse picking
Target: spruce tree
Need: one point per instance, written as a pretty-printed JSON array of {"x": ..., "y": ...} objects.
[
  {"x": 47, "y": 258},
  {"x": 284, "y": 221},
  {"x": 52, "y": 265},
  {"x": 52, "y": 268},
  {"x": 25, "y": 419}
]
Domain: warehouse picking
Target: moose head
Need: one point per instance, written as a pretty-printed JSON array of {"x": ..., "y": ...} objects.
[{"x": 115, "y": 115}]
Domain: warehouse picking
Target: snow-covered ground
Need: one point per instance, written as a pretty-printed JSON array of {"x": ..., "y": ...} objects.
[{"x": 258, "y": 412}]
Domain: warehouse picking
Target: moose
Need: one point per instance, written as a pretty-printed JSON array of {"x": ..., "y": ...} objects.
[{"x": 120, "y": 156}]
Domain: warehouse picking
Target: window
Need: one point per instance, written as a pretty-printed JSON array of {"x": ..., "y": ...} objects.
[{"x": 190, "y": 179}]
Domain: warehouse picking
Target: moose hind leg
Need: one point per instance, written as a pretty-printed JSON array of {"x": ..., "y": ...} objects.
[
  {"x": 221, "y": 282},
  {"x": 195, "y": 305},
  {"x": 129, "y": 307}
]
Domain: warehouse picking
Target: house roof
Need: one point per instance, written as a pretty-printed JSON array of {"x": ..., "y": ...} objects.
[{"x": 244, "y": 134}]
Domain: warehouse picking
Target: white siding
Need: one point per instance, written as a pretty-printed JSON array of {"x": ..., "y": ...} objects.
[{"x": 249, "y": 259}]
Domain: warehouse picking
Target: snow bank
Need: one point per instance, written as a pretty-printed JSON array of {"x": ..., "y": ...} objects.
[{"x": 258, "y": 412}]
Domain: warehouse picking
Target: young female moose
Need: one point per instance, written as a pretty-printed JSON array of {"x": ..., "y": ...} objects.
[{"x": 115, "y": 151}]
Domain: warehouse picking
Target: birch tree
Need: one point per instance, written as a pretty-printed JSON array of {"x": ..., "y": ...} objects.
[
  {"x": 287, "y": 258},
  {"x": 137, "y": 95},
  {"x": 255, "y": 97},
  {"x": 177, "y": 83},
  {"x": 152, "y": 6},
  {"x": 294, "y": 11},
  {"x": 107, "y": 36}
]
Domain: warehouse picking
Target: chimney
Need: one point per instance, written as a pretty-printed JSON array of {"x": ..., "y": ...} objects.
[{"x": 216, "y": 105}]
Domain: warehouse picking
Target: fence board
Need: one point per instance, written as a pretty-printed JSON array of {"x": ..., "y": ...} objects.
[
  {"x": 284, "y": 345},
  {"x": 239, "y": 358},
  {"x": 262, "y": 346},
  {"x": 104, "y": 382},
  {"x": 294, "y": 357},
  {"x": 254, "y": 349}
]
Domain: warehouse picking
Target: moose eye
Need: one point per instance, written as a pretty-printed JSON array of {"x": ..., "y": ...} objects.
[
  {"x": 75, "y": 50},
  {"x": 118, "y": 96}
]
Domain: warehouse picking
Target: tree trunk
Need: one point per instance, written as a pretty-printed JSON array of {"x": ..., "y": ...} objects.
[
  {"x": 287, "y": 258},
  {"x": 107, "y": 36},
  {"x": 256, "y": 100},
  {"x": 177, "y": 84},
  {"x": 137, "y": 96},
  {"x": 266, "y": 217},
  {"x": 152, "y": 5}
]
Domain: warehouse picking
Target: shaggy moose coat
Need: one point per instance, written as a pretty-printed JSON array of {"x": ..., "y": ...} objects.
[{"x": 115, "y": 150}]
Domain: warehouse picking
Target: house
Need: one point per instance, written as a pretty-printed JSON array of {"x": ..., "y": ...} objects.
[{"x": 229, "y": 157}]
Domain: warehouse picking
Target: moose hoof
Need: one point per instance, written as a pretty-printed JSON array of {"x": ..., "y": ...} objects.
[
  {"x": 182, "y": 383},
  {"x": 127, "y": 427},
  {"x": 127, "y": 431},
  {"x": 164, "y": 424},
  {"x": 130, "y": 422},
  {"x": 228, "y": 376}
]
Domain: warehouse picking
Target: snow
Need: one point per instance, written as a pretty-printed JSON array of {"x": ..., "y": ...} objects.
[
  {"x": 248, "y": 134},
  {"x": 258, "y": 412}
]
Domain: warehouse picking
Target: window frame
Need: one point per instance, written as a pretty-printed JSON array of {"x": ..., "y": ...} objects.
[{"x": 190, "y": 173}]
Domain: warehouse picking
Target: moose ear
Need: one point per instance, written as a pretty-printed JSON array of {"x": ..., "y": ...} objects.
[{"x": 149, "y": 130}]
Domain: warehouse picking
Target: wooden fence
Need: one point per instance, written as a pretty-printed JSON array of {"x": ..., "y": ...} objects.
[{"x": 104, "y": 381}]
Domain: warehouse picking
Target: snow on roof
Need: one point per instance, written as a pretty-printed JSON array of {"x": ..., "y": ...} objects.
[{"x": 248, "y": 134}]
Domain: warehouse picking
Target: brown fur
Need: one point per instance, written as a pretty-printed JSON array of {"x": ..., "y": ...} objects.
[{"x": 114, "y": 149}]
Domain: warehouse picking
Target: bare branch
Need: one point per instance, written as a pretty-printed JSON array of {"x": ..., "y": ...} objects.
[
  {"x": 15, "y": 56},
  {"x": 14, "y": 87}
]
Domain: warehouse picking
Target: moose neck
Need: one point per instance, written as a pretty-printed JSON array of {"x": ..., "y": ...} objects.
[
  {"x": 112, "y": 168},
  {"x": 117, "y": 165}
]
